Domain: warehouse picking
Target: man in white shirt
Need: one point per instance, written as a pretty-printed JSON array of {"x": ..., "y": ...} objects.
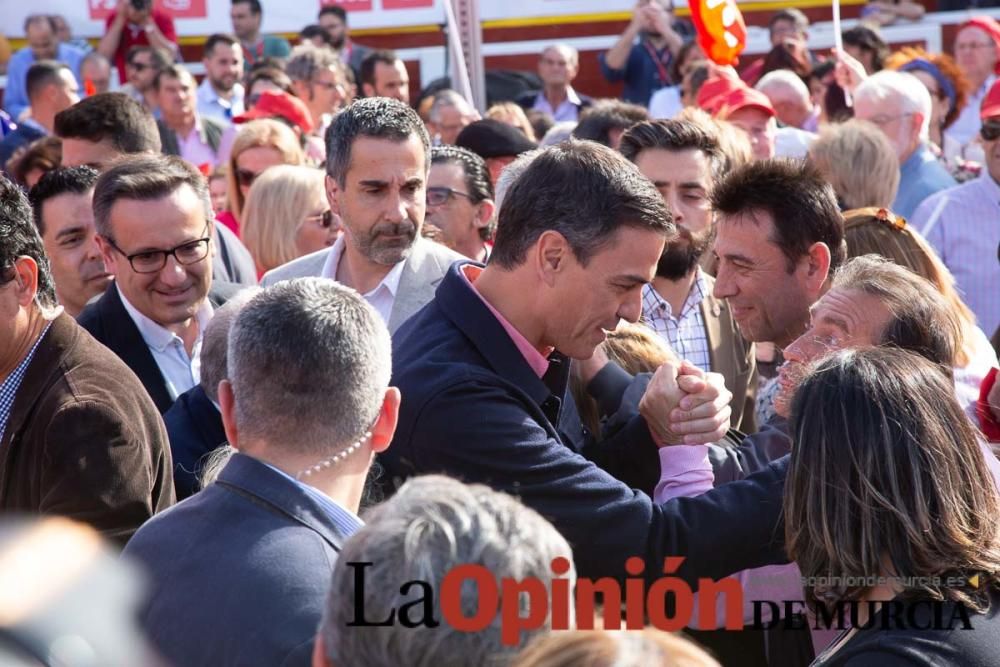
[
  {"x": 220, "y": 95},
  {"x": 153, "y": 220},
  {"x": 557, "y": 68},
  {"x": 377, "y": 168},
  {"x": 183, "y": 131}
]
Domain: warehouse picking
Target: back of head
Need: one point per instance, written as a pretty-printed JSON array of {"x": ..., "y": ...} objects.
[
  {"x": 783, "y": 81},
  {"x": 430, "y": 526},
  {"x": 896, "y": 93},
  {"x": 887, "y": 474},
  {"x": 607, "y": 117},
  {"x": 112, "y": 117},
  {"x": 42, "y": 74},
  {"x": 309, "y": 363},
  {"x": 607, "y": 648},
  {"x": 43, "y": 154},
  {"x": 375, "y": 117},
  {"x": 868, "y": 40},
  {"x": 511, "y": 173},
  {"x": 145, "y": 178},
  {"x": 582, "y": 190},
  {"x": 215, "y": 342},
  {"x": 20, "y": 238},
  {"x": 802, "y": 206},
  {"x": 859, "y": 162},
  {"x": 672, "y": 135},
  {"x": 73, "y": 180},
  {"x": 277, "y": 203},
  {"x": 922, "y": 319}
]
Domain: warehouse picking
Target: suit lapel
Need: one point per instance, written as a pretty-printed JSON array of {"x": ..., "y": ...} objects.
[{"x": 417, "y": 284}]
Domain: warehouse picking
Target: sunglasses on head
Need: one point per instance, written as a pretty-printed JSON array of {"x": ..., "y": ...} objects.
[{"x": 990, "y": 130}]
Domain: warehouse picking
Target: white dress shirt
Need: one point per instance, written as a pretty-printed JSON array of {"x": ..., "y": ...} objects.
[
  {"x": 383, "y": 296},
  {"x": 210, "y": 104},
  {"x": 966, "y": 126},
  {"x": 180, "y": 371}
]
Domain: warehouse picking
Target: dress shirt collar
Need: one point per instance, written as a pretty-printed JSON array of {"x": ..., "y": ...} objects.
[
  {"x": 694, "y": 298},
  {"x": 538, "y": 362},
  {"x": 389, "y": 282},
  {"x": 989, "y": 187},
  {"x": 155, "y": 335},
  {"x": 344, "y": 519},
  {"x": 208, "y": 95}
]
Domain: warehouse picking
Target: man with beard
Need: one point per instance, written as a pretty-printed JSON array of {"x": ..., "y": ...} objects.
[
  {"x": 220, "y": 95},
  {"x": 333, "y": 19},
  {"x": 683, "y": 161},
  {"x": 378, "y": 159}
]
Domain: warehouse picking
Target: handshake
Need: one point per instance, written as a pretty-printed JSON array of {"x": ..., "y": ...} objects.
[{"x": 684, "y": 405}]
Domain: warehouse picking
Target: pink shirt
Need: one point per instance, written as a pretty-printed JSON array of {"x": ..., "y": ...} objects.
[{"x": 535, "y": 359}]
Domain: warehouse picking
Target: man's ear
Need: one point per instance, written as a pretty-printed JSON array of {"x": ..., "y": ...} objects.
[
  {"x": 368, "y": 89},
  {"x": 227, "y": 406},
  {"x": 26, "y": 280},
  {"x": 107, "y": 254},
  {"x": 551, "y": 254},
  {"x": 487, "y": 209},
  {"x": 818, "y": 269},
  {"x": 918, "y": 122},
  {"x": 388, "y": 417},
  {"x": 333, "y": 194}
]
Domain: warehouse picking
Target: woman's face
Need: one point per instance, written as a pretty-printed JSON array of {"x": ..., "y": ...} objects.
[
  {"x": 252, "y": 162},
  {"x": 313, "y": 232}
]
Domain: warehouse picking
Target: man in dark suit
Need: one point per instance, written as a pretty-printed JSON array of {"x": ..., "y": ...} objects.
[
  {"x": 683, "y": 160},
  {"x": 485, "y": 369},
  {"x": 78, "y": 436},
  {"x": 256, "y": 548},
  {"x": 153, "y": 219},
  {"x": 194, "y": 423},
  {"x": 184, "y": 131}
]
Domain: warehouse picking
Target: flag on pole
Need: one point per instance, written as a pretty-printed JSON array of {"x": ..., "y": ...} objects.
[{"x": 722, "y": 33}]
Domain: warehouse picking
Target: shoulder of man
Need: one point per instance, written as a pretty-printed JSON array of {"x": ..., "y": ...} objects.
[{"x": 303, "y": 267}]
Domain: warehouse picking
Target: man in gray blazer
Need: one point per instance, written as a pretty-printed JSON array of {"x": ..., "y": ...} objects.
[
  {"x": 378, "y": 160},
  {"x": 240, "y": 570}
]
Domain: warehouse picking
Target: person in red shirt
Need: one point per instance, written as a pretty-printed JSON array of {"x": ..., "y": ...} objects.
[{"x": 135, "y": 23}]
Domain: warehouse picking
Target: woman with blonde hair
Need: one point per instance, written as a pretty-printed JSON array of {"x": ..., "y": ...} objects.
[
  {"x": 857, "y": 159},
  {"x": 880, "y": 232},
  {"x": 286, "y": 216},
  {"x": 258, "y": 145},
  {"x": 513, "y": 115},
  {"x": 613, "y": 648}
]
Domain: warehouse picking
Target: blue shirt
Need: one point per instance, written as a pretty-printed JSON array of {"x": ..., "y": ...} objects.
[
  {"x": 642, "y": 74},
  {"x": 9, "y": 387},
  {"x": 15, "y": 97},
  {"x": 347, "y": 522},
  {"x": 919, "y": 177}
]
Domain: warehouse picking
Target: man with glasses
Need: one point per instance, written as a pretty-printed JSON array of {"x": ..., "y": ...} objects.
[
  {"x": 900, "y": 106},
  {"x": 460, "y": 201},
  {"x": 963, "y": 225},
  {"x": 220, "y": 95},
  {"x": 153, "y": 220},
  {"x": 977, "y": 53},
  {"x": 142, "y": 64},
  {"x": 377, "y": 171},
  {"x": 78, "y": 436},
  {"x": 320, "y": 80}
]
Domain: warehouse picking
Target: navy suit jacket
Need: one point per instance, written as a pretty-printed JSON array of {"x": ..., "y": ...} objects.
[
  {"x": 240, "y": 571},
  {"x": 472, "y": 408},
  {"x": 107, "y": 320},
  {"x": 194, "y": 426}
]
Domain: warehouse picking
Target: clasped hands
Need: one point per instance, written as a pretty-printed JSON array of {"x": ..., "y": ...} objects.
[{"x": 684, "y": 405}]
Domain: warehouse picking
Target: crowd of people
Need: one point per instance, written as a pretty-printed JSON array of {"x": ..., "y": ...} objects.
[{"x": 314, "y": 358}]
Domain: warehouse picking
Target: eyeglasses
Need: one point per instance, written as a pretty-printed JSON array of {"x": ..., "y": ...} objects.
[
  {"x": 138, "y": 67},
  {"x": 974, "y": 46},
  {"x": 440, "y": 196},
  {"x": 152, "y": 261},
  {"x": 326, "y": 219},
  {"x": 245, "y": 177},
  {"x": 990, "y": 131},
  {"x": 329, "y": 85}
]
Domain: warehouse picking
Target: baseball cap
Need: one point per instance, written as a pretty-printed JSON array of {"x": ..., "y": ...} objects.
[
  {"x": 273, "y": 103},
  {"x": 989, "y": 25},
  {"x": 990, "y": 107}
]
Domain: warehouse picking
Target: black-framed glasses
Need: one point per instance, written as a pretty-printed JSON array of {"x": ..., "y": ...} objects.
[
  {"x": 326, "y": 219},
  {"x": 440, "y": 196},
  {"x": 990, "y": 130},
  {"x": 153, "y": 261}
]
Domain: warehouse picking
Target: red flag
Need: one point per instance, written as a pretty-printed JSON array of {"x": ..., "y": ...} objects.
[{"x": 722, "y": 33}]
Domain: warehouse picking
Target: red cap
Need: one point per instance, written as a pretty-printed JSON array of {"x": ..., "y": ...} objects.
[
  {"x": 712, "y": 92},
  {"x": 273, "y": 103},
  {"x": 990, "y": 108},
  {"x": 744, "y": 97},
  {"x": 989, "y": 25}
]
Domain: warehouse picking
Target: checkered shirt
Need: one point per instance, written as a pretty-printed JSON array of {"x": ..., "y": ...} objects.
[
  {"x": 9, "y": 387},
  {"x": 686, "y": 334}
]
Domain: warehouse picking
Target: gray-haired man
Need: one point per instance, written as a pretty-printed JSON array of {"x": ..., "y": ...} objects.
[{"x": 255, "y": 549}]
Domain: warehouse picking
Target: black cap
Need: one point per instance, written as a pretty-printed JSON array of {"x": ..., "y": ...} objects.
[{"x": 491, "y": 138}]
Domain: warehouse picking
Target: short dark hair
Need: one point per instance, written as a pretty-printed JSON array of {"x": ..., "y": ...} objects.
[
  {"x": 584, "y": 191},
  {"x": 219, "y": 38},
  {"x": 255, "y": 7},
  {"x": 870, "y": 41},
  {"x": 477, "y": 176},
  {"x": 19, "y": 237},
  {"x": 172, "y": 72},
  {"x": 384, "y": 56},
  {"x": 145, "y": 178},
  {"x": 40, "y": 18},
  {"x": 597, "y": 122},
  {"x": 41, "y": 74},
  {"x": 378, "y": 117},
  {"x": 113, "y": 116},
  {"x": 312, "y": 31},
  {"x": 44, "y": 154},
  {"x": 336, "y": 10},
  {"x": 802, "y": 205},
  {"x": 160, "y": 57},
  {"x": 792, "y": 15},
  {"x": 672, "y": 135},
  {"x": 75, "y": 180}
]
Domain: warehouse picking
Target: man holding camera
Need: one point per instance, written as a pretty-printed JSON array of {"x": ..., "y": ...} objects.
[{"x": 136, "y": 23}]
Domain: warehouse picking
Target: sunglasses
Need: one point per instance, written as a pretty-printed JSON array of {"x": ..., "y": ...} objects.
[
  {"x": 326, "y": 219},
  {"x": 990, "y": 131},
  {"x": 138, "y": 67}
]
